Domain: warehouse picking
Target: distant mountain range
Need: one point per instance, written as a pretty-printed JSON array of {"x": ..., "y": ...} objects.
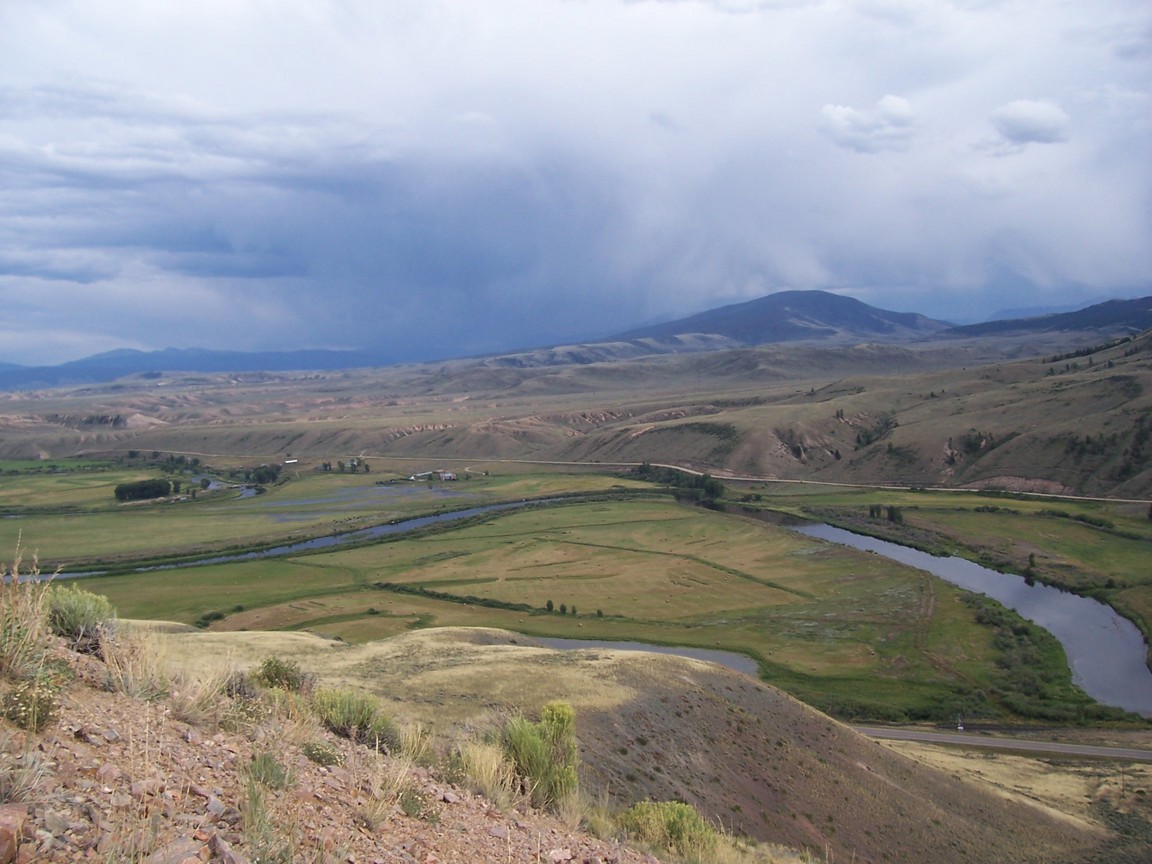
[
  {"x": 124, "y": 362},
  {"x": 788, "y": 316},
  {"x": 1122, "y": 316}
]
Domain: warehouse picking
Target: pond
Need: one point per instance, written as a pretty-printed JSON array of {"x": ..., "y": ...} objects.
[{"x": 1106, "y": 652}]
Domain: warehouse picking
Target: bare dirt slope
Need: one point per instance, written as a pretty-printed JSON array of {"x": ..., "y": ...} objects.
[{"x": 745, "y": 754}]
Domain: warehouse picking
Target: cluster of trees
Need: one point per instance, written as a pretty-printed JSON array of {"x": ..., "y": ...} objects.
[
  {"x": 351, "y": 466},
  {"x": 703, "y": 488},
  {"x": 891, "y": 513},
  {"x": 974, "y": 441},
  {"x": 114, "y": 420},
  {"x": 563, "y": 608},
  {"x": 143, "y": 490},
  {"x": 884, "y": 424},
  {"x": 466, "y": 599},
  {"x": 263, "y": 475},
  {"x": 1088, "y": 352}
]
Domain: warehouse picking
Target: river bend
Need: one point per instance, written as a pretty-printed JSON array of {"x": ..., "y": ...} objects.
[{"x": 1106, "y": 652}]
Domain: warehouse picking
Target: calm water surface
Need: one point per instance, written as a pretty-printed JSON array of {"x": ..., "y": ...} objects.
[{"x": 1106, "y": 652}]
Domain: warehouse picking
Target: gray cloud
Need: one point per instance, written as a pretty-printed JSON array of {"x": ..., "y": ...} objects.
[
  {"x": 452, "y": 177},
  {"x": 888, "y": 125},
  {"x": 1027, "y": 121}
]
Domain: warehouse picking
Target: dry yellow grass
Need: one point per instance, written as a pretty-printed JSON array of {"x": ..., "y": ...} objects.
[
  {"x": 443, "y": 677},
  {"x": 1067, "y": 790},
  {"x": 454, "y": 679}
]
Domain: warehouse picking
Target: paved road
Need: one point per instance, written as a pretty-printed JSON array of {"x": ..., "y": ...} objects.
[{"x": 976, "y": 739}]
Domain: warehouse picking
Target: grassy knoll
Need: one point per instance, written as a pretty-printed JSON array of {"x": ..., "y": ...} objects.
[
  {"x": 846, "y": 631},
  {"x": 747, "y": 756}
]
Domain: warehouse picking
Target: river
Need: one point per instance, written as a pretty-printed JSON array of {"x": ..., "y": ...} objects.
[
  {"x": 1106, "y": 652},
  {"x": 360, "y": 535}
]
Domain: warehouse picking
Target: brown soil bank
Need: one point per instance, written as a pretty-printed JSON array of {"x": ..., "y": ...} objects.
[{"x": 766, "y": 765}]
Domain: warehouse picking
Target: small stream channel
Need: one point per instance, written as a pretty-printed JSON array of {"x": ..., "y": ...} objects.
[{"x": 1106, "y": 652}]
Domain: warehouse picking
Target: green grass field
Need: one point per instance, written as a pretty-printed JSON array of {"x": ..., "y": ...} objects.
[
  {"x": 846, "y": 631},
  {"x": 849, "y": 632},
  {"x": 73, "y": 520},
  {"x": 1100, "y": 549}
]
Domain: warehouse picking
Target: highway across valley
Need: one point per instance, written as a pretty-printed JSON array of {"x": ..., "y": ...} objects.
[{"x": 977, "y": 739}]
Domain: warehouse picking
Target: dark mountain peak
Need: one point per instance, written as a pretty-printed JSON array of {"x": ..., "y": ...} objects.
[{"x": 789, "y": 316}]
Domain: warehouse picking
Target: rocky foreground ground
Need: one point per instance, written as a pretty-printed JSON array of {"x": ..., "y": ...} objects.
[{"x": 118, "y": 779}]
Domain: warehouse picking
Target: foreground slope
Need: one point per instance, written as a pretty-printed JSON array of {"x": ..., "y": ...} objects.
[
  {"x": 117, "y": 778},
  {"x": 747, "y": 755}
]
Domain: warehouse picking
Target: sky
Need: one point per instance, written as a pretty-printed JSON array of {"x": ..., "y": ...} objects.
[{"x": 437, "y": 178}]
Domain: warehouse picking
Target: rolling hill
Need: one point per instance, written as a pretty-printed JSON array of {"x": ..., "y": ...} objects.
[
  {"x": 1120, "y": 317},
  {"x": 668, "y": 728},
  {"x": 790, "y": 316},
  {"x": 1075, "y": 421}
]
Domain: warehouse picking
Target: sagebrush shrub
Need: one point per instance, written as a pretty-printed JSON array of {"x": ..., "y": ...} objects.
[
  {"x": 671, "y": 825},
  {"x": 82, "y": 618},
  {"x": 357, "y": 716},
  {"x": 545, "y": 754},
  {"x": 286, "y": 674}
]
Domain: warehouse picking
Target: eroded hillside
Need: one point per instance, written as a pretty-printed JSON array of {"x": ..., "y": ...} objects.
[
  {"x": 748, "y": 756},
  {"x": 1067, "y": 422}
]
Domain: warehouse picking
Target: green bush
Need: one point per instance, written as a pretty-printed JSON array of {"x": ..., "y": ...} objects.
[
  {"x": 322, "y": 753},
  {"x": 415, "y": 804},
  {"x": 545, "y": 753},
  {"x": 81, "y": 617},
  {"x": 267, "y": 770},
  {"x": 286, "y": 674},
  {"x": 358, "y": 717},
  {"x": 32, "y": 704},
  {"x": 206, "y": 620},
  {"x": 671, "y": 825}
]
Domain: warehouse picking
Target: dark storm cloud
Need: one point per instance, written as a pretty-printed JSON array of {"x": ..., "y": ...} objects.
[{"x": 449, "y": 177}]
